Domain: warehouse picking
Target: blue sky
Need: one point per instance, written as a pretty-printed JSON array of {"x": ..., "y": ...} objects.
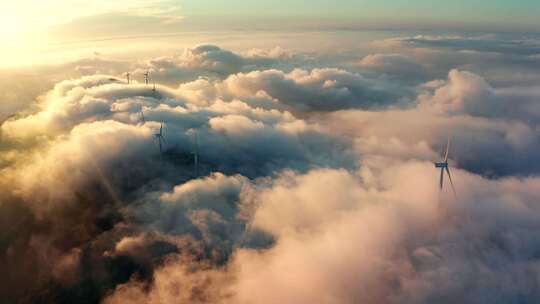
[
  {"x": 404, "y": 10},
  {"x": 29, "y": 15}
]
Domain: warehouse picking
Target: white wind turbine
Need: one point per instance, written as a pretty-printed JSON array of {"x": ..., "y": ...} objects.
[
  {"x": 143, "y": 119},
  {"x": 196, "y": 155},
  {"x": 160, "y": 138},
  {"x": 146, "y": 76},
  {"x": 444, "y": 167}
]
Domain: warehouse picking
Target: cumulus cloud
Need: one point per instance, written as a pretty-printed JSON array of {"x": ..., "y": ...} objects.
[
  {"x": 318, "y": 89},
  {"x": 211, "y": 61},
  {"x": 468, "y": 93}
]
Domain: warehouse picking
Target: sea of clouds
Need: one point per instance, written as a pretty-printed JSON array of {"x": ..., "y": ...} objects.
[{"x": 315, "y": 181}]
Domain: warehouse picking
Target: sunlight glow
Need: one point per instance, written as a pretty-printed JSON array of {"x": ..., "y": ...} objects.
[{"x": 11, "y": 27}]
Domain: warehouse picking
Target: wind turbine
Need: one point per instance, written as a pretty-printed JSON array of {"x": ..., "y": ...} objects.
[
  {"x": 146, "y": 77},
  {"x": 196, "y": 155},
  {"x": 128, "y": 77},
  {"x": 143, "y": 119},
  {"x": 444, "y": 167},
  {"x": 161, "y": 140}
]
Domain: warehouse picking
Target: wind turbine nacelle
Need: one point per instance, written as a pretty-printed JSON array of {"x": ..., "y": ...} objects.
[{"x": 441, "y": 165}]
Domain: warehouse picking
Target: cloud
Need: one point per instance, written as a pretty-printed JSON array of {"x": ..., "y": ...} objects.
[
  {"x": 208, "y": 206},
  {"x": 234, "y": 124},
  {"x": 316, "y": 90},
  {"x": 80, "y": 163},
  {"x": 106, "y": 20},
  {"x": 463, "y": 93},
  {"x": 176, "y": 282},
  {"x": 394, "y": 65},
  {"x": 19, "y": 90},
  {"x": 503, "y": 59},
  {"x": 479, "y": 143},
  {"x": 271, "y": 78},
  {"x": 211, "y": 61},
  {"x": 485, "y": 43},
  {"x": 388, "y": 252},
  {"x": 373, "y": 243},
  {"x": 468, "y": 93},
  {"x": 314, "y": 184}
]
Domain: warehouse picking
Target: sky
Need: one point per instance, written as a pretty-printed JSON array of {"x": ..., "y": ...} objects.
[
  {"x": 29, "y": 28},
  {"x": 404, "y": 11},
  {"x": 31, "y": 15}
]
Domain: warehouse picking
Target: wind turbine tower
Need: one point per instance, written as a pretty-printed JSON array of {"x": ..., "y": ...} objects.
[{"x": 128, "y": 77}]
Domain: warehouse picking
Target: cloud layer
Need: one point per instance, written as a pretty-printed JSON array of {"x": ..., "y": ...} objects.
[{"x": 281, "y": 179}]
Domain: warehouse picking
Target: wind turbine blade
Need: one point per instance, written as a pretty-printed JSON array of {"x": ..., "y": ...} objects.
[
  {"x": 451, "y": 182},
  {"x": 447, "y": 150},
  {"x": 442, "y": 179}
]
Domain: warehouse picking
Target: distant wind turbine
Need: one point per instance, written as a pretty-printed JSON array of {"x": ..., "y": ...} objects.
[
  {"x": 128, "y": 77},
  {"x": 146, "y": 77},
  {"x": 444, "y": 167},
  {"x": 143, "y": 119},
  {"x": 160, "y": 138},
  {"x": 196, "y": 155}
]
